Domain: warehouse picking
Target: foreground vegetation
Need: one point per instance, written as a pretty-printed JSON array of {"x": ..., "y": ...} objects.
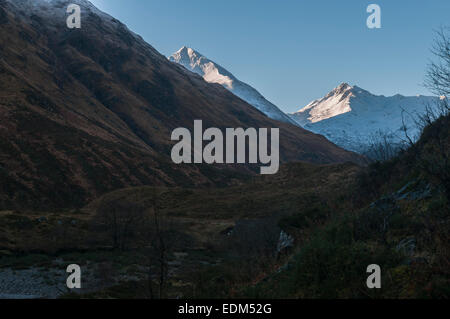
[{"x": 221, "y": 243}]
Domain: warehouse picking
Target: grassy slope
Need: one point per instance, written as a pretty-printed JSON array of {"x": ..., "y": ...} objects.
[
  {"x": 199, "y": 215},
  {"x": 400, "y": 222}
]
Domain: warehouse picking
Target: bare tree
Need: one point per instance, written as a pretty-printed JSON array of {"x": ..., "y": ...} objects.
[
  {"x": 432, "y": 113},
  {"x": 437, "y": 79},
  {"x": 161, "y": 239},
  {"x": 404, "y": 128},
  {"x": 438, "y": 73},
  {"x": 122, "y": 219},
  {"x": 382, "y": 147},
  {"x": 434, "y": 157}
]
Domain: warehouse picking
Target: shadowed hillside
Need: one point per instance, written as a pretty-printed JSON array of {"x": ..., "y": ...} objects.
[{"x": 86, "y": 111}]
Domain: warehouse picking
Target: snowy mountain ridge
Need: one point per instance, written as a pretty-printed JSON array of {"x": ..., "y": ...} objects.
[
  {"x": 352, "y": 117},
  {"x": 214, "y": 73}
]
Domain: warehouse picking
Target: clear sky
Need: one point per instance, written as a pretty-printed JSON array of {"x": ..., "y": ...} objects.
[{"x": 295, "y": 51}]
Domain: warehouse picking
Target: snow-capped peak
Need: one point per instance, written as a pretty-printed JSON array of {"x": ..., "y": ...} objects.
[
  {"x": 196, "y": 62},
  {"x": 334, "y": 103},
  {"x": 351, "y": 116},
  {"x": 214, "y": 73},
  {"x": 343, "y": 87}
]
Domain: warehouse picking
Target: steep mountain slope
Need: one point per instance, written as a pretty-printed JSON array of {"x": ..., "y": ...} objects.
[
  {"x": 85, "y": 111},
  {"x": 214, "y": 73},
  {"x": 352, "y": 117}
]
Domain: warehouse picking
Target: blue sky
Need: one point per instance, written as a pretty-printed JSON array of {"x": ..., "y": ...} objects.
[{"x": 295, "y": 51}]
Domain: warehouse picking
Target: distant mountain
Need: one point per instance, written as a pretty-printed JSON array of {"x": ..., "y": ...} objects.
[
  {"x": 214, "y": 73},
  {"x": 353, "y": 118},
  {"x": 87, "y": 111}
]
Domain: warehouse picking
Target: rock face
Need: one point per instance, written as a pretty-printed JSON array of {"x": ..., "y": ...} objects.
[
  {"x": 86, "y": 111},
  {"x": 214, "y": 73},
  {"x": 354, "y": 118},
  {"x": 284, "y": 242}
]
